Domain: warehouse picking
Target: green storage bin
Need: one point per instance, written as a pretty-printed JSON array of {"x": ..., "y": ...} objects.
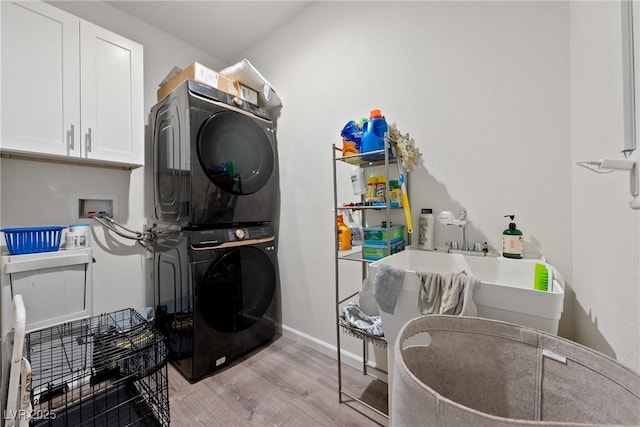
[
  {"x": 378, "y": 250},
  {"x": 375, "y": 235}
]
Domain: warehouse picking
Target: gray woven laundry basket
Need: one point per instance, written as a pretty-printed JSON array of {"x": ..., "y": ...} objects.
[{"x": 480, "y": 372}]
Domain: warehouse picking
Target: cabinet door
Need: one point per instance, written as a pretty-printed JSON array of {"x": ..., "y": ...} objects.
[
  {"x": 40, "y": 79},
  {"x": 112, "y": 97}
]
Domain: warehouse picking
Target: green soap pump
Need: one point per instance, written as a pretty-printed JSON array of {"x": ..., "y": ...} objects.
[{"x": 512, "y": 240}]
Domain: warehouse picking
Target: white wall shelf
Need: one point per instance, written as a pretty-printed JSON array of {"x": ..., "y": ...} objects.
[{"x": 56, "y": 287}]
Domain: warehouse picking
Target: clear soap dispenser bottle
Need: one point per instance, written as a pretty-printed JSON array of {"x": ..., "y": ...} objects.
[{"x": 512, "y": 240}]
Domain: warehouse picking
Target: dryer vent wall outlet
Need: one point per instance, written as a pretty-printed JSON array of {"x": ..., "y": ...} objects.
[{"x": 90, "y": 207}]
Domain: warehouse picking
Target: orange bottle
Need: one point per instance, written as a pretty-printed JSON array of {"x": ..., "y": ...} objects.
[{"x": 344, "y": 234}]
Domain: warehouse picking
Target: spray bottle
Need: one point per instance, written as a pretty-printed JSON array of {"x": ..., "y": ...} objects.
[{"x": 353, "y": 222}]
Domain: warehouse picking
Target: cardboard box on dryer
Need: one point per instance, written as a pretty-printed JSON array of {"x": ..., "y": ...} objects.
[
  {"x": 201, "y": 74},
  {"x": 246, "y": 93}
]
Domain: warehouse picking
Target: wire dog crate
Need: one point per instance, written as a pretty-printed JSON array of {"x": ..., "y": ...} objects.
[{"x": 108, "y": 370}]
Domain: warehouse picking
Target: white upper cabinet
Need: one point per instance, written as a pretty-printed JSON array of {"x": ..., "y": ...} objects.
[
  {"x": 70, "y": 89},
  {"x": 40, "y": 79},
  {"x": 112, "y": 104}
]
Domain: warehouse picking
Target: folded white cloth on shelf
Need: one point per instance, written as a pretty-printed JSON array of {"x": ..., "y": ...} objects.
[
  {"x": 355, "y": 317},
  {"x": 386, "y": 286}
]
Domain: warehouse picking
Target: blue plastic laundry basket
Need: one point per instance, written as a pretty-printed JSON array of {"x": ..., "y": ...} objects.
[{"x": 29, "y": 240}]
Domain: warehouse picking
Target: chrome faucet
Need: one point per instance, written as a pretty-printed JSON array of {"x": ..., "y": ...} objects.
[
  {"x": 447, "y": 218},
  {"x": 462, "y": 222}
]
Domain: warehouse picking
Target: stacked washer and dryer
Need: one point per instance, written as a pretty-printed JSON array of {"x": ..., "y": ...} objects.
[{"x": 215, "y": 169}]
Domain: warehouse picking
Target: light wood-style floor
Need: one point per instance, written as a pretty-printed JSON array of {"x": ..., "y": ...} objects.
[{"x": 284, "y": 383}]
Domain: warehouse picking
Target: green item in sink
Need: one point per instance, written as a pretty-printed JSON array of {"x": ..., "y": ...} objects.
[{"x": 541, "y": 278}]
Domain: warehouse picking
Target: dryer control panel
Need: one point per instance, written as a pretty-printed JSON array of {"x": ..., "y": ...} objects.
[{"x": 220, "y": 236}]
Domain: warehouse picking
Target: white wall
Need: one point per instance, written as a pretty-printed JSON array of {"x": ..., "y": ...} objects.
[
  {"x": 37, "y": 193},
  {"x": 605, "y": 231},
  {"x": 502, "y": 98},
  {"x": 483, "y": 88}
]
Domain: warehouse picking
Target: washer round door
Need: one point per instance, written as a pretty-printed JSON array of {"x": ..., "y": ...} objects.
[
  {"x": 236, "y": 290},
  {"x": 235, "y": 153}
]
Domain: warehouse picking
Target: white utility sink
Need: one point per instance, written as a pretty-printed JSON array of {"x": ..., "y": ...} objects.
[{"x": 506, "y": 291}]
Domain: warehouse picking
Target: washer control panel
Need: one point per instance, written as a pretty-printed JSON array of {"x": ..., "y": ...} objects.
[
  {"x": 249, "y": 233},
  {"x": 219, "y": 236}
]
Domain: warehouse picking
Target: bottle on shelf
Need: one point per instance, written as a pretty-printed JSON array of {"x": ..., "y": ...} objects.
[
  {"x": 353, "y": 222},
  {"x": 372, "y": 184},
  {"x": 394, "y": 193},
  {"x": 357, "y": 181},
  {"x": 381, "y": 188},
  {"x": 373, "y": 132},
  {"x": 344, "y": 234}
]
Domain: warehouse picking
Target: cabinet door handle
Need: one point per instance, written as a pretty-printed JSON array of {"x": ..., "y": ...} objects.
[
  {"x": 88, "y": 140},
  {"x": 70, "y": 138}
]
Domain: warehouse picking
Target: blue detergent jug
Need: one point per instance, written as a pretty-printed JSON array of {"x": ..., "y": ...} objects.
[{"x": 373, "y": 133}]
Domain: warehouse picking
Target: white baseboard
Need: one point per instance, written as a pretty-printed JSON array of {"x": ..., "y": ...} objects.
[{"x": 331, "y": 351}]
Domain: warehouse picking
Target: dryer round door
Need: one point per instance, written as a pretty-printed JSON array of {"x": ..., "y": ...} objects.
[
  {"x": 237, "y": 290},
  {"x": 235, "y": 153}
]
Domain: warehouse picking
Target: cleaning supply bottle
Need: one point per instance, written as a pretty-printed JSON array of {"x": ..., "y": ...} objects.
[
  {"x": 425, "y": 229},
  {"x": 394, "y": 193},
  {"x": 344, "y": 234},
  {"x": 381, "y": 188},
  {"x": 372, "y": 184},
  {"x": 357, "y": 181},
  {"x": 357, "y": 233},
  {"x": 373, "y": 132},
  {"x": 512, "y": 240}
]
